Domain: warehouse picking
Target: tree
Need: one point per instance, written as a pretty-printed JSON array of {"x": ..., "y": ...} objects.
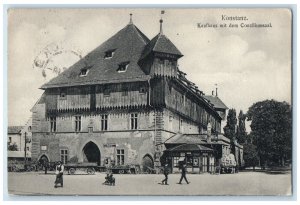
[
  {"x": 12, "y": 147},
  {"x": 271, "y": 128},
  {"x": 241, "y": 133},
  {"x": 250, "y": 155},
  {"x": 230, "y": 128}
]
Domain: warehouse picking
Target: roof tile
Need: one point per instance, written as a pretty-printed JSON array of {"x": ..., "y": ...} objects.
[{"x": 127, "y": 44}]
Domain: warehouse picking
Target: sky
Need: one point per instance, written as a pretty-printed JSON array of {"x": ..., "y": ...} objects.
[{"x": 247, "y": 64}]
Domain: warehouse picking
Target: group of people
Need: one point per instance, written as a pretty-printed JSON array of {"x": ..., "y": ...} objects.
[
  {"x": 110, "y": 180},
  {"x": 166, "y": 171}
]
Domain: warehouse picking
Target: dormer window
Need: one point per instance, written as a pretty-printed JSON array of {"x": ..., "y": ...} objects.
[
  {"x": 83, "y": 72},
  {"x": 123, "y": 67},
  {"x": 109, "y": 54}
]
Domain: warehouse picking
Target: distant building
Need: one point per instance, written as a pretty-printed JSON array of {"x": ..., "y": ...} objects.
[
  {"x": 125, "y": 103},
  {"x": 16, "y": 138}
]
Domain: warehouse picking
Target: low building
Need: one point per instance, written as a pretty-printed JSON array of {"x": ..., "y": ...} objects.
[{"x": 16, "y": 142}]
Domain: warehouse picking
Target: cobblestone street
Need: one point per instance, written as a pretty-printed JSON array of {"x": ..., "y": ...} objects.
[{"x": 243, "y": 183}]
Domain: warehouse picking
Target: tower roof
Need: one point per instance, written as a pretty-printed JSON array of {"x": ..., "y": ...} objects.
[
  {"x": 160, "y": 43},
  {"x": 217, "y": 102},
  {"x": 125, "y": 46}
]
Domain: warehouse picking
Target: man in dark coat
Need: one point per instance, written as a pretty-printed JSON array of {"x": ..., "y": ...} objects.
[
  {"x": 183, "y": 174},
  {"x": 166, "y": 172}
]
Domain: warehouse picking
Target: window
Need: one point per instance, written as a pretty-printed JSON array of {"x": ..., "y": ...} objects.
[
  {"x": 52, "y": 124},
  {"x": 161, "y": 61},
  {"x": 90, "y": 129},
  {"x": 133, "y": 120},
  {"x": 64, "y": 156},
  {"x": 180, "y": 125},
  {"x": 9, "y": 140},
  {"x": 173, "y": 62},
  {"x": 125, "y": 92},
  {"x": 109, "y": 54},
  {"x": 104, "y": 122},
  {"x": 83, "y": 93},
  {"x": 123, "y": 67},
  {"x": 106, "y": 92},
  {"x": 175, "y": 161},
  {"x": 27, "y": 148},
  {"x": 120, "y": 156},
  {"x": 62, "y": 94},
  {"x": 142, "y": 90},
  {"x": 83, "y": 72},
  {"x": 29, "y": 128},
  {"x": 77, "y": 123}
]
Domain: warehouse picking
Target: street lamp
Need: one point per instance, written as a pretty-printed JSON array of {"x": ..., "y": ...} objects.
[{"x": 25, "y": 148}]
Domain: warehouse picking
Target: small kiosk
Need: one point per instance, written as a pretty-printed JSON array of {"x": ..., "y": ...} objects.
[{"x": 199, "y": 159}]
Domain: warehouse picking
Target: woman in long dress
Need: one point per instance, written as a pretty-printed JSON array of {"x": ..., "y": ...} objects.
[{"x": 59, "y": 171}]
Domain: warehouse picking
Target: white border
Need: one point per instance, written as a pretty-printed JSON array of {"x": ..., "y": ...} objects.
[{"x": 157, "y": 3}]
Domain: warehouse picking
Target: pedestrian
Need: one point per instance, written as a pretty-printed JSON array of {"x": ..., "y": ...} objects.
[
  {"x": 59, "y": 171},
  {"x": 166, "y": 172},
  {"x": 183, "y": 174},
  {"x": 45, "y": 166}
]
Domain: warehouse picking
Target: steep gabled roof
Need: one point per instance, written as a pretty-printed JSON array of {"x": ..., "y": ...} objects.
[
  {"x": 217, "y": 102},
  {"x": 127, "y": 45},
  {"x": 160, "y": 43}
]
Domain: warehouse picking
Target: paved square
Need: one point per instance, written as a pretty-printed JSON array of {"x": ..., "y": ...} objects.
[{"x": 243, "y": 183}]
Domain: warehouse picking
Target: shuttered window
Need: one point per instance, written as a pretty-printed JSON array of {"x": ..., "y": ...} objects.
[
  {"x": 104, "y": 122},
  {"x": 134, "y": 121},
  {"x": 52, "y": 124},
  {"x": 77, "y": 123}
]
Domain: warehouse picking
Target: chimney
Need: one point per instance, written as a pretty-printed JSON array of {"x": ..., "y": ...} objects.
[
  {"x": 212, "y": 93},
  {"x": 216, "y": 91},
  {"x": 209, "y": 133}
]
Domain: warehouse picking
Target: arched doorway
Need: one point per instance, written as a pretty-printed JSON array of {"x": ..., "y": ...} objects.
[
  {"x": 42, "y": 162},
  {"x": 91, "y": 153},
  {"x": 43, "y": 159},
  {"x": 147, "y": 163}
]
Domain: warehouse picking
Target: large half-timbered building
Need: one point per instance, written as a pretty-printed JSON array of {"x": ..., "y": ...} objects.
[{"x": 126, "y": 102}]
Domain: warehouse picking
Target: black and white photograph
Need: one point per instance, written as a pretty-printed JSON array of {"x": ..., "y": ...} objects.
[{"x": 149, "y": 101}]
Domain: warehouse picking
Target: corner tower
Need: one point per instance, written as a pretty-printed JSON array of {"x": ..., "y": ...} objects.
[{"x": 160, "y": 55}]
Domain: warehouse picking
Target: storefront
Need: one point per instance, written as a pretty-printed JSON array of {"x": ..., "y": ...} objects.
[{"x": 199, "y": 159}]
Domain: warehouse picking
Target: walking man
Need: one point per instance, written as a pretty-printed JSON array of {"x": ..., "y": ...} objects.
[
  {"x": 166, "y": 172},
  {"x": 183, "y": 174}
]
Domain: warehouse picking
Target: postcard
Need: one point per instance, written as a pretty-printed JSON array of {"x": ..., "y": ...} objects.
[{"x": 150, "y": 101}]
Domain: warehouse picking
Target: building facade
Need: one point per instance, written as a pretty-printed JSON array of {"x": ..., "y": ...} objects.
[
  {"x": 19, "y": 139},
  {"x": 120, "y": 104}
]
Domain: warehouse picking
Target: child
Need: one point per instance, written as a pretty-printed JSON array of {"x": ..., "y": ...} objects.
[
  {"x": 112, "y": 180},
  {"x": 109, "y": 179}
]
